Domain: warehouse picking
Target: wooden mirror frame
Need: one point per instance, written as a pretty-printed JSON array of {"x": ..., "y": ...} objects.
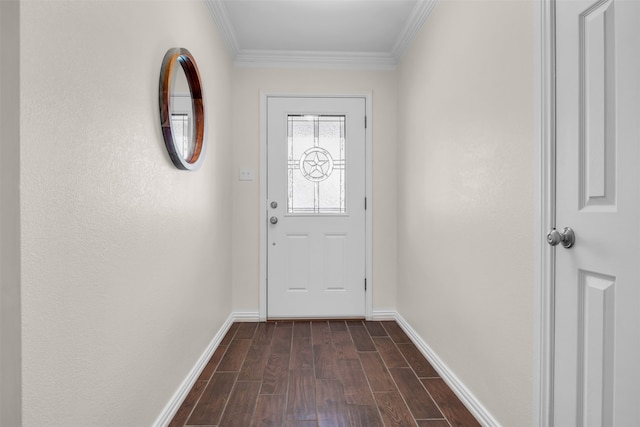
[{"x": 172, "y": 58}]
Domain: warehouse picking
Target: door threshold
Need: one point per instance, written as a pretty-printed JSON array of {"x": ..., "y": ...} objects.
[{"x": 312, "y": 319}]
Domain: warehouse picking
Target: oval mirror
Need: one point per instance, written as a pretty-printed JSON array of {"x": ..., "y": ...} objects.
[{"x": 182, "y": 109}]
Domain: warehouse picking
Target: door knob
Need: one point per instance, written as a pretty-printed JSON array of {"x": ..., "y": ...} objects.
[
  {"x": 273, "y": 220},
  {"x": 567, "y": 237}
]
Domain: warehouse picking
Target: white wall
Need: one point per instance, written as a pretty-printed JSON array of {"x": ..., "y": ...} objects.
[
  {"x": 247, "y": 84},
  {"x": 126, "y": 261},
  {"x": 466, "y": 209},
  {"x": 10, "y": 348}
]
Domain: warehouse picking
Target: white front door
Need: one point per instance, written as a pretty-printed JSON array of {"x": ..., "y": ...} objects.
[
  {"x": 316, "y": 207},
  {"x": 597, "y": 286}
]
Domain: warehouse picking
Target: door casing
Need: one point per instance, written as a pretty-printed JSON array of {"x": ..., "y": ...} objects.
[
  {"x": 264, "y": 95},
  {"x": 546, "y": 202},
  {"x": 545, "y": 158}
]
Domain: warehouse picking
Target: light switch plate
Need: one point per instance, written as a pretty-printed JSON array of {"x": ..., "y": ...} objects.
[{"x": 246, "y": 174}]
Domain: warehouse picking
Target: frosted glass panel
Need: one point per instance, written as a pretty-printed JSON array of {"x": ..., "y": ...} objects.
[{"x": 316, "y": 164}]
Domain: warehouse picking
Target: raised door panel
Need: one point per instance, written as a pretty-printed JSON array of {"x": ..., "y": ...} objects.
[
  {"x": 597, "y": 107},
  {"x": 596, "y": 328}
]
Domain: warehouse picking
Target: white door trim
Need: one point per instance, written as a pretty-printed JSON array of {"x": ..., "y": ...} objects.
[
  {"x": 263, "y": 192},
  {"x": 546, "y": 202}
]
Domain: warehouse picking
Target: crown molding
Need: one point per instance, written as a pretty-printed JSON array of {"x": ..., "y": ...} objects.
[
  {"x": 315, "y": 59},
  {"x": 221, "y": 18},
  {"x": 319, "y": 59},
  {"x": 419, "y": 15}
]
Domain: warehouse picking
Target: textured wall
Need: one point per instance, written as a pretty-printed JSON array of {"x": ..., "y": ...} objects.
[
  {"x": 466, "y": 209},
  {"x": 126, "y": 261},
  {"x": 247, "y": 84}
]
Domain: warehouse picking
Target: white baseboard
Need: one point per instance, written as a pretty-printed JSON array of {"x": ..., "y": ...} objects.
[
  {"x": 481, "y": 413},
  {"x": 245, "y": 316},
  {"x": 380, "y": 315},
  {"x": 178, "y": 397}
]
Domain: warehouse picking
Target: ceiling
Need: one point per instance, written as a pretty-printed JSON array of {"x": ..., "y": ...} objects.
[{"x": 350, "y": 33}]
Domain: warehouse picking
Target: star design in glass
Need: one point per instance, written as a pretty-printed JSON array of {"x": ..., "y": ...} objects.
[{"x": 315, "y": 164}]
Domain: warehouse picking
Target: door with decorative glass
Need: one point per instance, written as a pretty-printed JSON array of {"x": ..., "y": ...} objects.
[{"x": 316, "y": 207}]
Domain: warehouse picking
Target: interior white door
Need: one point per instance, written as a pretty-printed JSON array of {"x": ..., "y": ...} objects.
[
  {"x": 597, "y": 286},
  {"x": 316, "y": 207}
]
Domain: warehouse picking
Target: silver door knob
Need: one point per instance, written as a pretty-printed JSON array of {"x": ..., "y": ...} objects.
[
  {"x": 273, "y": 220},
  {"x": 567, "y": 237}
]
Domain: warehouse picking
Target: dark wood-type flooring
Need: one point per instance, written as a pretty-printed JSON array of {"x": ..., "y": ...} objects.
[{"x": 320, "y": 373}]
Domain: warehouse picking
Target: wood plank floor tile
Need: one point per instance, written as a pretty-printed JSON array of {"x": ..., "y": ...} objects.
[
  {"x": 302, "y": 424},
  {"x": 234, "y": 356},
  {"x": 180, "y": 418},
  {"x": 361, "y": 337},
  {"x": 342, "y": 342},
  {"x": 302, "y": 330},
  {"x": 264, "y": 333},
  {"x": 395, "y": 332},
  {"x": 209, "y": 408},
  {"x": 324, "y": 353},
  {"x": 452, "y": 408},
  {"x": 324, "y": 358},
  {"x": 375, "y": 329},
  {"x": 230, "y": 334},
  {"x": 242, "y": 402},
  {"x": 301, "y": 354},
  {"x": 330, "y": 404},
  {"x": 281, "y": 341},
  {"x": 254, "y": 363},
  {"x": 212, "y": 364},
  {"x": 393, "y": 410},
  {"x": 269, "y": 411},
  {"x": 414, "y": 393},
  {"x": 376, "y": 372},
  {"x": 337, "y": 325},
  {"x": 275, "y": 379},
  {"x": 364, "y": 416},
  {"x": 354, "y": 382},
  {"x": 301, "y": 404},
  {"x": 433, "y": 423},
  {"x": 246, "y": 331},
  {"x": 320, "y": 332},
  {"x": 288, "y": 324},
  {"x": 390, "y": 353},
  {"x": 417, "y": 361}
]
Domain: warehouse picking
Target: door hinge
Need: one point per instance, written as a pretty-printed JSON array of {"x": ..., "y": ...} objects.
[
  {"x": 365, "y": 284},
  {"x": 365, "y": 203},
  {"x": 365, "y": 122}
]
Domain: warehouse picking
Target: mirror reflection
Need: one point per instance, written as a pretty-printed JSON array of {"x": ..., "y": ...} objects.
[{"x": 182, "y": 115}]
